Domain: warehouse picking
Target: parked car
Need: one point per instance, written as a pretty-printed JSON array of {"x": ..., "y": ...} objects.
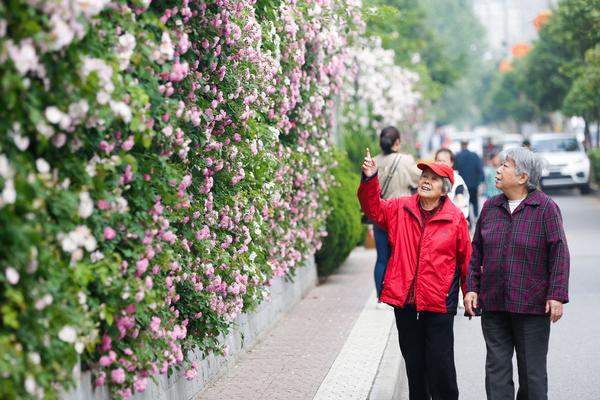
[
  {"x": 508, "y": 140},
  {"x": 566, "y": 163}
]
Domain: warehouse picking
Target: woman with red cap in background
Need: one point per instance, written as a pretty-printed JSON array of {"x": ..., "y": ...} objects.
[{"x": 431, "y": 248}]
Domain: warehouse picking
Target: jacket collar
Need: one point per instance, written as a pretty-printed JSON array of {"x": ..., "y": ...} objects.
[
  {"x": 444, "y": 213},
  {"x": 534, "y": 198}
]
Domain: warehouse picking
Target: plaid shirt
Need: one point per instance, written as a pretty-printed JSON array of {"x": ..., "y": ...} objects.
[{"x": 519, "y": 260}]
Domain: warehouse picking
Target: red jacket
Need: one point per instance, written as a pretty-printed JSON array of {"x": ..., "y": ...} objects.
[{"x": 439, "y": 256}]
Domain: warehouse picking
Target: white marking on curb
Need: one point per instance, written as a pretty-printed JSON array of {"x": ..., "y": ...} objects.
[{"x": 353, "y": 371}]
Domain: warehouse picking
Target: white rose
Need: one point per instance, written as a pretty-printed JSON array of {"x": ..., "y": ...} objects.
[
  {"x": 42, "y": 166},
  {"x": 67, "y": 334},
  {"x": 30, "y": 385},
  {"x": 12, "y": 275},
  {"x": 9, "y": 194},
  {"x": 22, "y": 142},
  {"x": 68, "y": 244},
  {"x": 62, "y": 35},
  {"x": 24, "y": 58},
  {"x": 35, "y": 358},
  {"x": 121, "y": 110},
  {"x": 79, "y": 347},
  {"x": 86, "y": 205},
  {"x": 53, "y": 114},
  {"x": 46, "y": 130}
]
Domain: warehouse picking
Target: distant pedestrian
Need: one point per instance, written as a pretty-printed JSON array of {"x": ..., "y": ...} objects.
[
  {"x": 470, "y": 167},
  {"x": 518, "y": 276},
  {"x": 459, "y": 194},
  {"x": 398, "y": 175},
  {"x": 489, "y": 171},
  {"x": 430, "y": 252}
]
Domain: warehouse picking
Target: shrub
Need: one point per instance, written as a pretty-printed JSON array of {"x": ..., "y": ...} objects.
[{"x": 344, "y": 227}]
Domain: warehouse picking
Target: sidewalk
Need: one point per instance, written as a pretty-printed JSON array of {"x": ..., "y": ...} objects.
[{"x": 330, "y": 346}]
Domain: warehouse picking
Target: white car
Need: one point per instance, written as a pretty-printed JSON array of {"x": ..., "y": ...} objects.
[{"x": 566, "y": 163}]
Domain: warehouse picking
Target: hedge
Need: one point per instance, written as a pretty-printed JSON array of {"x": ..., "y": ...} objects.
[
  {"x": 160, "y": 163},
  {"x": 344, "y": 227}
]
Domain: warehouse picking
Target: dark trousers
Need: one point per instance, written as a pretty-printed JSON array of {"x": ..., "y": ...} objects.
[
  {"x": 528, "y": 335},
  {"x": 474, "y": 200},
  {"x": 427, "y": 345},
  {"x": 382, "y": 245}
]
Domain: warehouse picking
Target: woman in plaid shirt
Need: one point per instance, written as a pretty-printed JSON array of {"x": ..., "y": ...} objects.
[{"x": 518, "y": 276}]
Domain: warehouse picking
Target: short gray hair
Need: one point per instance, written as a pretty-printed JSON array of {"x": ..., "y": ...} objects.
[
  {"x": 525, "y": 161},
  {"x": 446, "y": 185}
]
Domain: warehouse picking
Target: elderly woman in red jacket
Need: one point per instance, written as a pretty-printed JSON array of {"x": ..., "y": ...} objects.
[{"x": 431, "y": 248}]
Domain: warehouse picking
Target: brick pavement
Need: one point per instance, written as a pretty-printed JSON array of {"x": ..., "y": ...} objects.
[{"x": 294, "y": 358}]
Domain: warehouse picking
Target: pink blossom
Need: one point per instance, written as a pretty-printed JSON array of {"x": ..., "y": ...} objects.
[
  {"x": 140, "y": 383},
  {"x": 106, "y": 343},
  {"x": 117, "y": 376},
  {"x": 128, "y": 144},
  {"x": 105, "y": 361},
  {"x": 191, "y": 373},
  {"x": 100, "y": 379},
  {"x": 109, "y": 233},
  {"x": 141, "y": 266}
]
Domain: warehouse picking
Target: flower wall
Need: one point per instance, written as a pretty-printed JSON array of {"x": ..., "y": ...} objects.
[
  {"x": 160, "y": 163},
  {"x": 378, "y": 92}
]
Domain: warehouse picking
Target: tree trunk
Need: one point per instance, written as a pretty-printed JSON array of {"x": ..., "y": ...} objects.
[{"x": 586, "y": 134}]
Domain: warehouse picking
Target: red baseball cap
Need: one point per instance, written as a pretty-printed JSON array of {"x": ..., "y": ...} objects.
[{"x": 440, "y": 169}]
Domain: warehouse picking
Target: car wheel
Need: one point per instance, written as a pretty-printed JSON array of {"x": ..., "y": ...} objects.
[{"x": 585, "y": 189}]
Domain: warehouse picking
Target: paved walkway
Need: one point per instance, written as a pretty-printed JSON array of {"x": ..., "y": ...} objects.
[{"x": 329, "y": 346}]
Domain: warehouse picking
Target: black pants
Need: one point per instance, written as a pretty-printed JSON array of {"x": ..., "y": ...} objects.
[
  {"x": 528, "y": 335},
  {"x": 427, "y": 345},
  {"x": 474, "y": 200}
]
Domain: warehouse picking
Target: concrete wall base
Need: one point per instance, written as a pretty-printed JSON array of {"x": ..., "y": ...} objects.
[{"x": 247, "y": 330}]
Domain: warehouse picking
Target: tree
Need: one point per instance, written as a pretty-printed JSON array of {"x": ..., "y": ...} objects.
[
  {"x": 462, "y": 36},
  {"x": 403, "y": 27}
]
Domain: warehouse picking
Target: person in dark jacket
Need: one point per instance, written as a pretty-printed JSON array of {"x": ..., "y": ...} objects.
[
  {"x": 518, "y": 277},
  {"x": 470, "y": 167},
  {"x": 431, "y": 248}
]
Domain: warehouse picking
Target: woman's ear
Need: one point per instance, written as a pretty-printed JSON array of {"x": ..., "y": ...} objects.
[{"x": 524, "y": 178}]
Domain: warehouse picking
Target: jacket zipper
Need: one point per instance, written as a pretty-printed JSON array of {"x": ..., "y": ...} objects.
[
  {"x": 422, "y": 229},
  {"x": 417, "y": 266}
]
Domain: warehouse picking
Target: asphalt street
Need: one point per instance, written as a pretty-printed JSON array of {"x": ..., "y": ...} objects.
[{"x": 574, "y": 355}]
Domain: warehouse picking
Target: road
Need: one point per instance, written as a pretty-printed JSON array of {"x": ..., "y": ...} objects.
[{"x": 574, "y": 355}]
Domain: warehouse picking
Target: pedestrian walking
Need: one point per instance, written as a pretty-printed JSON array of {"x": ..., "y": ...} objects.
[
  {"x": 489, "y": 172},
  {"x": 430, "y": 252},
  {"x": 398, "y": 176},
  {"x": 518, "y": 276},
  {"x": 459, "y": 194},
  {"x": 470, "y": 167}
]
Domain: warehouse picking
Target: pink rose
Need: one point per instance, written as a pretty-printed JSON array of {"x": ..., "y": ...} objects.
[
  {"x": 109, "y": 233},
  {"x": 100, "y": 379},
  {"x": 191, "y": 373},
  {"x": 117, "y": 376},
  {"x": 128, "y": 144}
]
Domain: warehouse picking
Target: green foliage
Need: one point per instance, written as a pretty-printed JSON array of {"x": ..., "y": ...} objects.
[
  {"x": 595, "y": 161},
  {"x": 355, "y": 144},
  {"x": 506, "y": 100},
  {"x": 344, "y": 228},
  {"x": 416, "y": 45}
]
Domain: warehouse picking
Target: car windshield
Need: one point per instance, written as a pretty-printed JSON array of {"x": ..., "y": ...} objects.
[{"x": 556, "y": 145}]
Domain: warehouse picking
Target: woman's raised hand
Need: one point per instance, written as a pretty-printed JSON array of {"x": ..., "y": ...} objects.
[{"x": 368, "y": 167}]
